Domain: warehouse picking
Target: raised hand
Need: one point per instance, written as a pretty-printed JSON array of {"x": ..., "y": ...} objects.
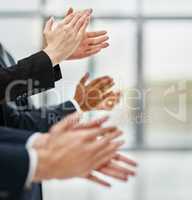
[
  {"x": 92, "y": 43},
  {"x": 64, "y": 39},
  {"x": 96, "y": 95}
]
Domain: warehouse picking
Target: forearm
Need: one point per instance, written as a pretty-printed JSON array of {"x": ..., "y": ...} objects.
[
  {"x": 14, "y": 81},
  {"x": 37, "y": 120}
]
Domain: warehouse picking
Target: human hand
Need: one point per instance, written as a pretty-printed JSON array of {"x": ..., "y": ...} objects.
[
  {"x": 114, "y": 167},
  {"x": 65, "y": 38},
  {"x": 92, "y": 43},
  {"x": 62, "y": 158},
  {"x": 96, "y": 95},
  {"x": 115, "y": 170}
]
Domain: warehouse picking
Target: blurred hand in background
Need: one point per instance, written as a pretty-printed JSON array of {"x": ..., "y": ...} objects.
[{"x": 97, "y": 94}]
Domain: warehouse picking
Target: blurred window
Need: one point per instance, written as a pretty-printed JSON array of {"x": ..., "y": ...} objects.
[
  {"x": 167, "y": 7},
  {"x": 19, "y": 5}
]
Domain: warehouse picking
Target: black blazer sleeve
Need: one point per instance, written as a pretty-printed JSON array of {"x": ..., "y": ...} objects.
[
  {"x": 14, "y": 136},
  {"x": 30, "y": 76},
  {"x": 37, "y": 120},
  {"x": 14, "y": 165},
  {"x": 57, "y": 73},
  {"x": 14, "y": 162}
]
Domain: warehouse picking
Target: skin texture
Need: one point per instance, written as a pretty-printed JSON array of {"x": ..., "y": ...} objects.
[
  {"x": 113, "y": 168},
  {"x": 65, "y": 144},
  {"x": 96, "y": 94},
  {"x": 92, "y": 43},
  {"x": 65, "y": 38},
  {"x": 107, "y": 165}
]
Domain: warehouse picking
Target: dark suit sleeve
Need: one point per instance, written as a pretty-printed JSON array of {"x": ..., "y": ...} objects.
[
  {"x": 57, "y": 73},
  {"x": 31, "y": 75},
  {"x": 14, "y": 165},
  {"x": 37, "y": 120},
  {"x": 15, "y": 136},
  {"x": 14, "y": 162}
]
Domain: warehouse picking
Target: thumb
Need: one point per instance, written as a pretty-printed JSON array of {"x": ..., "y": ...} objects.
[
  {"x": 70, "y": 11},
  {"x": 49, "y": 25},
  {"x": 84, "y": 79}
]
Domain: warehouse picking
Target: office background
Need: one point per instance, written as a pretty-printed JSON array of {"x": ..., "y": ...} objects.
[{"x": 150, "y": 57}]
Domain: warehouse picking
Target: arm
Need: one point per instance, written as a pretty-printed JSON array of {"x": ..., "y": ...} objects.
[
  {"x": 37, "y": 119},
  {"x": 14, "y": 80},
  {"x": 62, "y": 42},
  {"x": 14, "y": 162},
  {"x": 13, "y": 176},
  {"x": 42, "y": 119}
]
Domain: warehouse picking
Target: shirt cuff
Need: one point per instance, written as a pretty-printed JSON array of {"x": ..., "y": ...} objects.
[
  {"x": 76, "y": 105},
  {"x": 31, "y": 140},
  {"x": 33, "y": 159}
]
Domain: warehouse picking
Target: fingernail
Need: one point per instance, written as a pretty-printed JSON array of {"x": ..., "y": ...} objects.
[
  {"x": 52, "y": 18},
  {"x": 90, "y": 10}
]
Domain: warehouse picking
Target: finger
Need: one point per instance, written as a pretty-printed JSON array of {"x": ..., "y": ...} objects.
[
  {"x": 110, "y": 100},
  {"x": 98, "y": 80},
  {"x": 99, "y": 46},
  {"x": 81, "y": 22},
  {"x": 104, "y": 45},
  {"x": 84, "y": 79},
  {"x": 108, "y": 94},
  {"x": 67, "y": 19},
  {"x": 96, "y": 33},
  {"x": 98, "y": 181},
  {"x": 66, "y": 124},
  {"x": 97, "y": 40},
  {"x": 70, "y": 11},
  {"x": 94, "y": 124},
  {"x": 102, "y": 157},
  {"x": 124, "y": 159},
  {"x": 49, "y": 25},
  {"x": 114, "y": 98},
  {"x": 98, "y": 132},
  {"x": 93, "y": 51},
  {"x": 120, "y": 169},
  {"x": 83, "y": 28},
  {"x": 79, "y": 18},
  {"x": 112, "y": 94},
  {"x": 104, "y": 149},
  {"x": 114, "y": 173},
  {"x": 104, "y": 85}
]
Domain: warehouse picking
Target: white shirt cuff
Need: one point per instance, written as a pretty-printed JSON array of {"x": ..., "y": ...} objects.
[
  {"x": 31, "y": 140},
  {"x": 76, "y": 105},
  {"x": 33, "y": 159}
]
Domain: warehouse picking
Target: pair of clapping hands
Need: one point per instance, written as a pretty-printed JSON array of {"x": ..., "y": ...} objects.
[{"x": 75, "y": 149}]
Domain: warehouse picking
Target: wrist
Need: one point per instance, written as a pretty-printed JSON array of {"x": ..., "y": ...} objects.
[
  {"x": 41, "y": 141},
  {"x": 43, "y": 150},
  {"x": 54, "y": 57},
  {"x": 45, "y": 164}
]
